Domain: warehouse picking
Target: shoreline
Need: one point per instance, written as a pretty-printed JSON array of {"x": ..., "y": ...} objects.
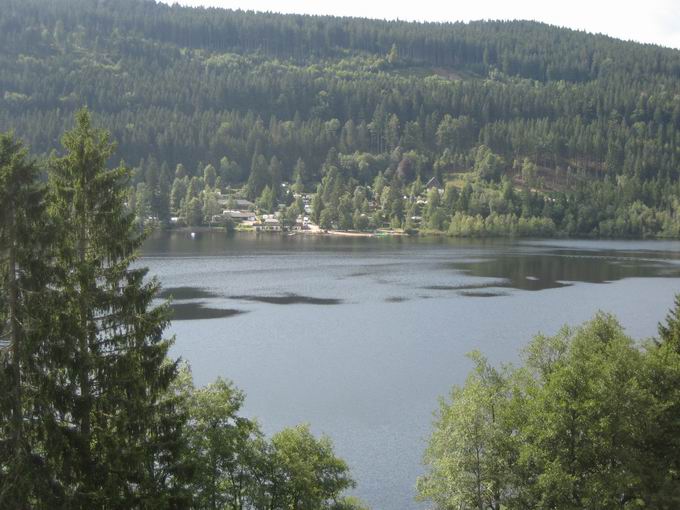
[{"x": 392, "y": 233}]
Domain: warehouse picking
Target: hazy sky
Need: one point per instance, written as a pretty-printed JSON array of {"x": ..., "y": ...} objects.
[{"x": 656, "y": 21}]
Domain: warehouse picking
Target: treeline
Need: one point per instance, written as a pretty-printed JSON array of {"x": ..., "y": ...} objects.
[
  {"x": 487, "y": 204},
  {"x": 237, "y": 90},
  {"x": 93, "y": 413},
  {"x": 162, "y": 91},
  {"x": 590, "y": 420},
  {"x": 528, "y": 49}
]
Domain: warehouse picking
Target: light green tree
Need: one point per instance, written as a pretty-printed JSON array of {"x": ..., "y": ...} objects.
[
  {"x": 290, "y": 215},
  {"x": 209, "y": 176},
  {"x": 267, "y": 200},
  {"x": 224, "y": 446},
  {"x": 586, "y": 415},
  {"x": 310, "y": 475},
  {"x": 489, "y": 166},
  {"x": 590, "y": 421},
  {"x": 211, "y": 206},
  {"x": 193, "y": 212},
  {"x": 393, "y": 55},
  {"x": 472, "y": 449}
]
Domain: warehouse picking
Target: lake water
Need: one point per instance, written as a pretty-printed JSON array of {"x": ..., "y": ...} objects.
[{"x": 360, "y": 337}]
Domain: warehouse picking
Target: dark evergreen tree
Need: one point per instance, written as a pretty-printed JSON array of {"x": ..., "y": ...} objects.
[
  {"x": 24, "y": 308},
  {"x": 114, "y": 431},
  {"x": 258, "y": 176}
]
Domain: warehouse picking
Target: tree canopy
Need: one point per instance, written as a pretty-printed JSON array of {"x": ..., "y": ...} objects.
[
  {"x": 93, "y": 413},
  {"x": 263, "y": 98},
  {"x": 589, "y": 421}
]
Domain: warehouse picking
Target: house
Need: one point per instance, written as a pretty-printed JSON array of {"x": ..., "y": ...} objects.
[
  {"x": 268, "y": 225},
  {"x": 434, "y": 183},
  {"x": 239, "y": 216}
]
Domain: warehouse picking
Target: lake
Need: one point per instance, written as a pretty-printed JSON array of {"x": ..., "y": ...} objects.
[{"x": 360, "y": 337}]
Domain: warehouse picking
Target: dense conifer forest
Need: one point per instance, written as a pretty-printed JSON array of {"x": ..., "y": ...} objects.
[{"x": 529, "y": 128}]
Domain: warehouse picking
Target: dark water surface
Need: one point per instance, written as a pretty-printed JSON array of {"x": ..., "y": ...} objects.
[{"x": 359, "y": 337}]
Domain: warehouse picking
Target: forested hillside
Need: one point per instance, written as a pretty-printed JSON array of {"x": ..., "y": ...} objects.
[{"x": 568, "y": 132}]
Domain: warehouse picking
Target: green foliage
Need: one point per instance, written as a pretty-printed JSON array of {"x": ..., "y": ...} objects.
[
  {"x": 529, "y": 173},
  {"x": 210, "y": 176},
  {"x": 92, "y": 412},
  {"x": 194, "y": 212},
  {"x": 669, "y": 333},
  {"x": 258, "y": 176},
  {"x": 488, "y": 165},
  {"x": 588, "y": 422},
  {"x": 500, "y": 225},
  {"x": 360, "y": 221},
  {"x": 587, "y": 122},
  {"x": 236, "y": 467},
  {"x": 309, "y": 475},
  {"x": 472, "y": 450},
  {"x": 291, "y": 214},
  {"x": 393, "y": 55},
  {"x": 227, "y": 450},
  {"x": 25, "y": 236},
  {"x": 456, "y": 133},
  {"x": 326, "y": 219},
  {"x": 109, "y": 418},
  {"x": 211, "y": 206},
  {"x": 267, "y": 200}
]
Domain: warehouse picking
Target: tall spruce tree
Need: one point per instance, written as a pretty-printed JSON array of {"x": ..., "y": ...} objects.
[
  {"x": 22, "y": 277},
  {"x": 117, "y": 438}
]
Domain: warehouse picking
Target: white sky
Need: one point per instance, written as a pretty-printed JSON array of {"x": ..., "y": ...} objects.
[{"x": 655, "y": 21}]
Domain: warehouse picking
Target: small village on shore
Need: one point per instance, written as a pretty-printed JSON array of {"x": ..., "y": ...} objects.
[{"x": 241, "y": 215}]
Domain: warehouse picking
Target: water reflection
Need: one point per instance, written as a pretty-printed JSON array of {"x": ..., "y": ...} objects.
[
  {"x": 499, "y": 283},
  {"x": 559, "y": 269},
  {"x": 196, "y": 310},
  {"x": 289, "y": 298},
  {"x": 186, "y": 293},
  {"x": 480, "y": 293}
]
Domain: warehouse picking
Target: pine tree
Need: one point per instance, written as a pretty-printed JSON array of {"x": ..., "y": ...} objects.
[
  {"x": 114, "y": 430},
  {"x": 22, "y": 277},
  {"x": 275, "y": 174},
  {"x": 258, "y": 176}
]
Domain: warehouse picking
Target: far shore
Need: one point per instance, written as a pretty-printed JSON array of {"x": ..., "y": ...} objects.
[
  {"x": 396, "y": 233},
  {"x": 315, "y": 232}
]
